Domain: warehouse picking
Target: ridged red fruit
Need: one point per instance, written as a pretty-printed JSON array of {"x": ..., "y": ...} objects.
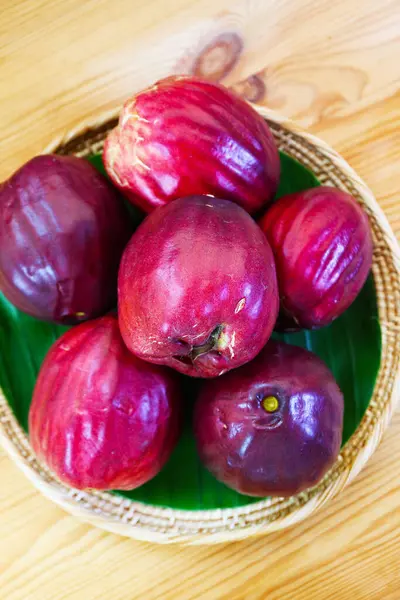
[
  {"x": 322, "y": 244},
  {"x": 272, "y": 427},
  {"x": 100, "y": 417},
  {"x": 62, "y": 233},
  {"x": 185, "y": 136},
  {"x": 197, "y": 287}
]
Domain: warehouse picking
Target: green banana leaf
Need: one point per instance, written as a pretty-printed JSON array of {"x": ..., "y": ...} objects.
[{"x": 351, "y": 347}]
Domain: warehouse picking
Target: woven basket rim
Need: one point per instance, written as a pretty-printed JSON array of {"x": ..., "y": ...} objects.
[{"x": 163, "y": 524}]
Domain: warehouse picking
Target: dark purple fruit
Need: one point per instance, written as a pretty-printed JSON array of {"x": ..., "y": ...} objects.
[
  {"x": 62, "y": 233},
  {"x": 272, "y": 427}
]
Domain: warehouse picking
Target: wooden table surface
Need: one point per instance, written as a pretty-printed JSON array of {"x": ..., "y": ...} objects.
[{"x": 333, "y": 66}]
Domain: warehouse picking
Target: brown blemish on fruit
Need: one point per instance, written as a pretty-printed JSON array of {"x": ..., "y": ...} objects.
[{"x": 218, "y": 57}]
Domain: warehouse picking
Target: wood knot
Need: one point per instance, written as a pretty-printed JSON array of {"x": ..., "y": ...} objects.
[
  {"x": 218, "y": 57},
  {"x": 252, "y": 88}
]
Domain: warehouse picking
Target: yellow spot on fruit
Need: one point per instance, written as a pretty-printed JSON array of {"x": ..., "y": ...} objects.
[
  {"x": 80, "y": 315},
  {"x": 270, "y": 403}
]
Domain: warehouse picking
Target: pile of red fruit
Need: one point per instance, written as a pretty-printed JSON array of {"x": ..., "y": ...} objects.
[{"x": 201, "y": 285}]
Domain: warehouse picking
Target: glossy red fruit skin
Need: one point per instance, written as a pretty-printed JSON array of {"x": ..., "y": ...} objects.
[
  {"x": 62, "y": 232},
  {"x": 185, "y": 136},
  {"x": 101, "y": 418},
  {"x": 322, "y": 244},
  {"x": 271, "y": 454},
  {"x": 193, "y": 266}
]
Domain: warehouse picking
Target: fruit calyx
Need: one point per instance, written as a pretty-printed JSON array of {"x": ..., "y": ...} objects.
[
  {"x": 210, "y": 344},
  {"x": 270, "y": 404}
]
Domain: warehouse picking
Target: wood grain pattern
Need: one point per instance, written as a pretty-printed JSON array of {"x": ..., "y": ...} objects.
[{"x": 332, "y": 66}]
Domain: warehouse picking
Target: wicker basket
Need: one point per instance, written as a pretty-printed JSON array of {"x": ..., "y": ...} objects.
[{"x": 146, "y": 522}]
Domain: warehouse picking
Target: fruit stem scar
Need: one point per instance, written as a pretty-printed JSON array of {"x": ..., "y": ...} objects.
[
  {"x": 210, "y": 344},
  {"x": 196, "y": 351},
  {"x": 270, "y": 403}
]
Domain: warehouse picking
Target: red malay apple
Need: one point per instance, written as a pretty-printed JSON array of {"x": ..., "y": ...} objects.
[
  {"x": 272, "y": 427},
  {"x": 62, "y": 232},
  {"x": 100, "y": 417},
  {"x": 197, "y": 288},
  {"x": 185, "y": 136},
  {"x": 322, "y": 245}
]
